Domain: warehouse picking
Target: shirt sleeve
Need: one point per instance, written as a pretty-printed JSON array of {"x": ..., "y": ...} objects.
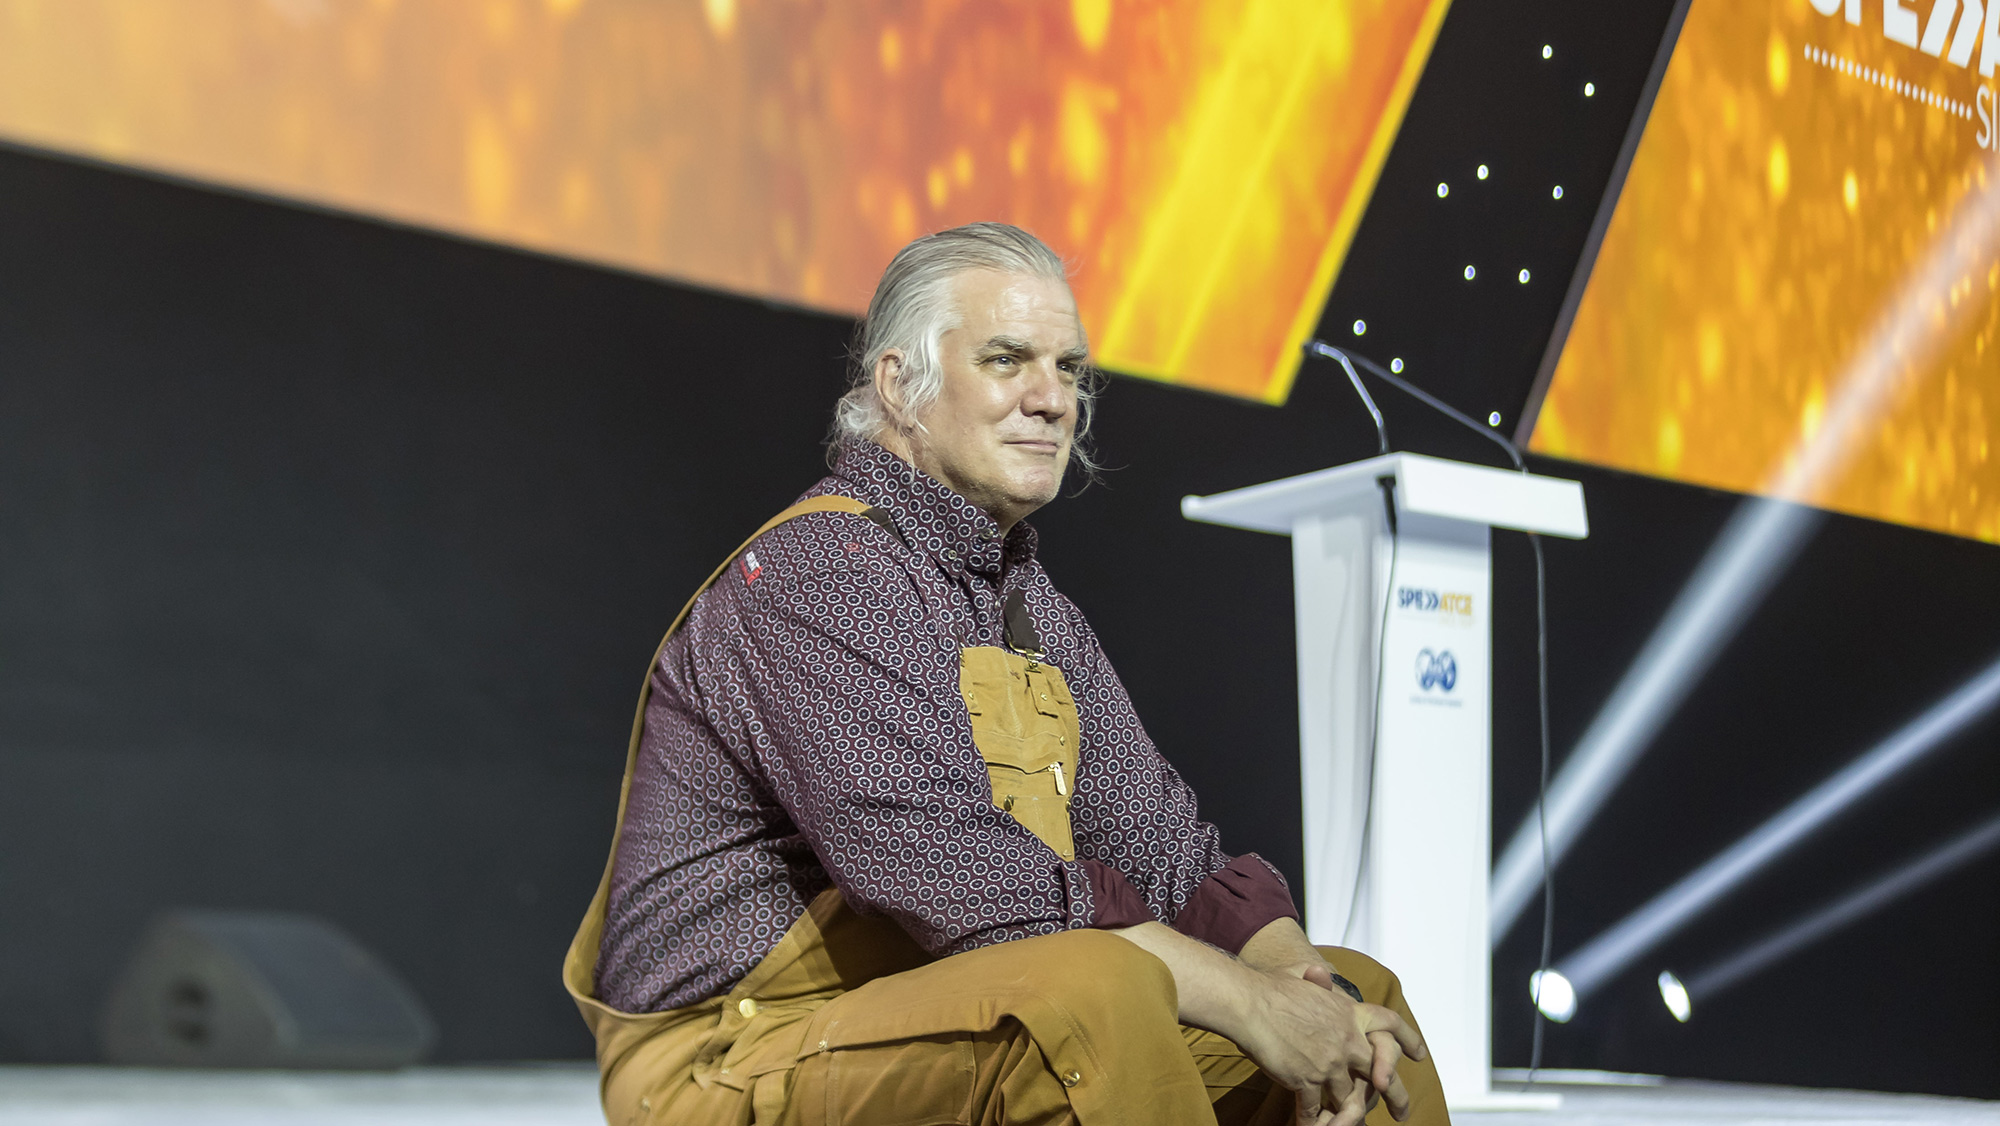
[
  {"x": 1118, "y": 902},
  {"x": 850, "y": 712},
  {"x": 1240, "y": 899},
  {"x": 1134, "y": 813}
]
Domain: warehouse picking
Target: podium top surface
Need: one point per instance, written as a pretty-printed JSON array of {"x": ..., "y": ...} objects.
[{"x": 1429, "y": 486}]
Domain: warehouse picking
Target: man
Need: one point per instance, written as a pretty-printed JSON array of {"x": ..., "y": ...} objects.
[{"x": 895, "y": 848}]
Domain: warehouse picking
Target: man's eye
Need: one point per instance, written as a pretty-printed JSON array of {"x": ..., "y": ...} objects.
[{"x": 1003, "y": 361}]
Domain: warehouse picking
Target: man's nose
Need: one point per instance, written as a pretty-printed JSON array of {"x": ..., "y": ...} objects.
[{"x": 1047, "y": 395}]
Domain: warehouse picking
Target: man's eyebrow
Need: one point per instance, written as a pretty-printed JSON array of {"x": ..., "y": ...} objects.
[{"x": 1000, "y": 344}]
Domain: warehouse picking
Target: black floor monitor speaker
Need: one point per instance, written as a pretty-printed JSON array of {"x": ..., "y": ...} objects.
[{"x": 260, "y": 989}]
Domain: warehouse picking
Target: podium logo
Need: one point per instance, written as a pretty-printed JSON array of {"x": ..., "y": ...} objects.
[
  {"x": 1437, "y": 670},
  {"x": 1423, "y": 601}
]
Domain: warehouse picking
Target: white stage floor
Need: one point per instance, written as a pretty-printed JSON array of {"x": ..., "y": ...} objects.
[{"x": 564, "y": 1094}]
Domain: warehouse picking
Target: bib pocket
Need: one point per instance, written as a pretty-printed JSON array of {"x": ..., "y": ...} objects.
[{"x": 1024, "y": 723}]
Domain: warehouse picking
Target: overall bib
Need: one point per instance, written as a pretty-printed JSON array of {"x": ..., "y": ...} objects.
[{"x": 847, "y": 1020}]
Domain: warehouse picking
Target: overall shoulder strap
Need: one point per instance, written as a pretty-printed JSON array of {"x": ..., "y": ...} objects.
[
  {"x": 580, "y": 967},
  {"x": 804, "y": 507}
]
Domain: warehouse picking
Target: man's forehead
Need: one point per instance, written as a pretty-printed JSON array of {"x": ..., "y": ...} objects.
[{"x": 1018, "y": 307}]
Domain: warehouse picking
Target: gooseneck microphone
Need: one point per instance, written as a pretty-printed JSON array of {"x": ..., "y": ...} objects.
[{"x": 1322, "y": 348}]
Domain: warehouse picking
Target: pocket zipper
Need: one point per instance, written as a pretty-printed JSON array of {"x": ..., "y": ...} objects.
[{"x": 1055, "y": 768}]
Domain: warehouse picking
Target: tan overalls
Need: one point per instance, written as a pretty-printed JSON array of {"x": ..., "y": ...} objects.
[{"x": 847, "y": 1020}]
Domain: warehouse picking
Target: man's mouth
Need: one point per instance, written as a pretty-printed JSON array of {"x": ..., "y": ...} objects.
[{"x": 1038, "y": 445}]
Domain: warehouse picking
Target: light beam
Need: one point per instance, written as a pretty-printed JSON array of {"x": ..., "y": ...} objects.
[
  {"x": 1877, "y": 894},
  {"x": 1610, "y": 953}
]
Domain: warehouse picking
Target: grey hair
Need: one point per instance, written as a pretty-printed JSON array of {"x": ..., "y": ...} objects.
[{"x": 912, "y": 310}]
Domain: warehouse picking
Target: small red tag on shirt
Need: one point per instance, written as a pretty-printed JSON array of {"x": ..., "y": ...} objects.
[{"x": 751, "y": 568}]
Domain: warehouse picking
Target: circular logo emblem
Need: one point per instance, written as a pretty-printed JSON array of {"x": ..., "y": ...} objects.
[{"x": 1437, "y": 670}]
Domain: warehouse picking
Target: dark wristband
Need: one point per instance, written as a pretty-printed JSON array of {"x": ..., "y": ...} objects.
[{"x": 1347, "y": 987}]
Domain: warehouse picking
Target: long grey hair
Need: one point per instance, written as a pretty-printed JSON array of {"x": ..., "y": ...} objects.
[{"x": 912, "y": 310}]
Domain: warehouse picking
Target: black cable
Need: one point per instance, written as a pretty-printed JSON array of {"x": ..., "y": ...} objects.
[
  {"x": 1542, "y": 797},
  {"x": 1342, "y": 356},
  {"x": 1388, "y": 485}
]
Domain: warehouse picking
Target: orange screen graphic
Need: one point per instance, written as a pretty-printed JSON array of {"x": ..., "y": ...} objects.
[
  {"x": 1202, "y": 165},
  {"x": 1813, "y": 194}
]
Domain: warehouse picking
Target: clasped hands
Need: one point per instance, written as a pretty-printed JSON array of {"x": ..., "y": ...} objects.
[
  {"x": 1276, "y": 999},
  {"x": 1337, "y": 1056}
]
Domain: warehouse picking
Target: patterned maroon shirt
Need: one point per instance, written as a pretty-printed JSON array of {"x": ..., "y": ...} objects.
[{"x": 806, "y": 728}]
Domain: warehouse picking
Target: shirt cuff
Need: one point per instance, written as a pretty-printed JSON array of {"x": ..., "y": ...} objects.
[
  {"x": 1114, "y": 901},
  {"x": 1244, "y": 897}
]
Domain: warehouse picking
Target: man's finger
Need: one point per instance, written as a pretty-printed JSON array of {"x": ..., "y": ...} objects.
[
  {"x": 1340, "y": 1084},
  {"x": 1354, "y": 1107},
  {"x": 1308, "y": 1111},
  {"x": 1398, "y": 1100},
  {"x": 1382, "y": 1069},
  {"x": 1379, "y": 1019}
]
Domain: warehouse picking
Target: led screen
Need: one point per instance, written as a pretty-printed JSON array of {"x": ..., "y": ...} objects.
[
  {"x": 1202, "y": 164},
  {"x": 1799, "y": 289}
]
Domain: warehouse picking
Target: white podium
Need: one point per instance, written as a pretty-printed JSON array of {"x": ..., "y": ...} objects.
[{"x": 1403, "y": 877}]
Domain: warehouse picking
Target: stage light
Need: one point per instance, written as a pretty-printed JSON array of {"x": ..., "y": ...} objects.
[
  {"x": 1547, "y": 50},
  {"x": 1866, "y": 900},
  {"x": 1483, "y": 171},
  {"x": 1470, "y": 273},
  {"x": 1558, "y": 193},
  {"x": 1676, "y": 996},
  {"x": 1444, "y": 189},
  {"x": 1589, "y": 89},
  {"x": 1360, "y": 326},
  {"x": 1759, "y": 542},
  {"x": 1552, "y": 994},
  {"x": 1637, "y": 934},
  {"x": 1396, "y": 364},
  {"x": 1523, "y": 275},
  {"x": 1493, "y": 419}
]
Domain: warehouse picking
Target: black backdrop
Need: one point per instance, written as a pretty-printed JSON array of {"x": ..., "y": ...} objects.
[{"x": 331, "y": 554}]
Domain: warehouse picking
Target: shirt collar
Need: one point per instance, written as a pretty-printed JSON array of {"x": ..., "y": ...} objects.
[{"x": 931, "y": 516}]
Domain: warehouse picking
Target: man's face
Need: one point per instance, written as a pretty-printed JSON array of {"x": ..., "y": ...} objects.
[{"x": 999, "y": 433}]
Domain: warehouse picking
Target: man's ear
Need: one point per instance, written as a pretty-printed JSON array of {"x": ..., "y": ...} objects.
[{"x": 888, "y": 380}]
